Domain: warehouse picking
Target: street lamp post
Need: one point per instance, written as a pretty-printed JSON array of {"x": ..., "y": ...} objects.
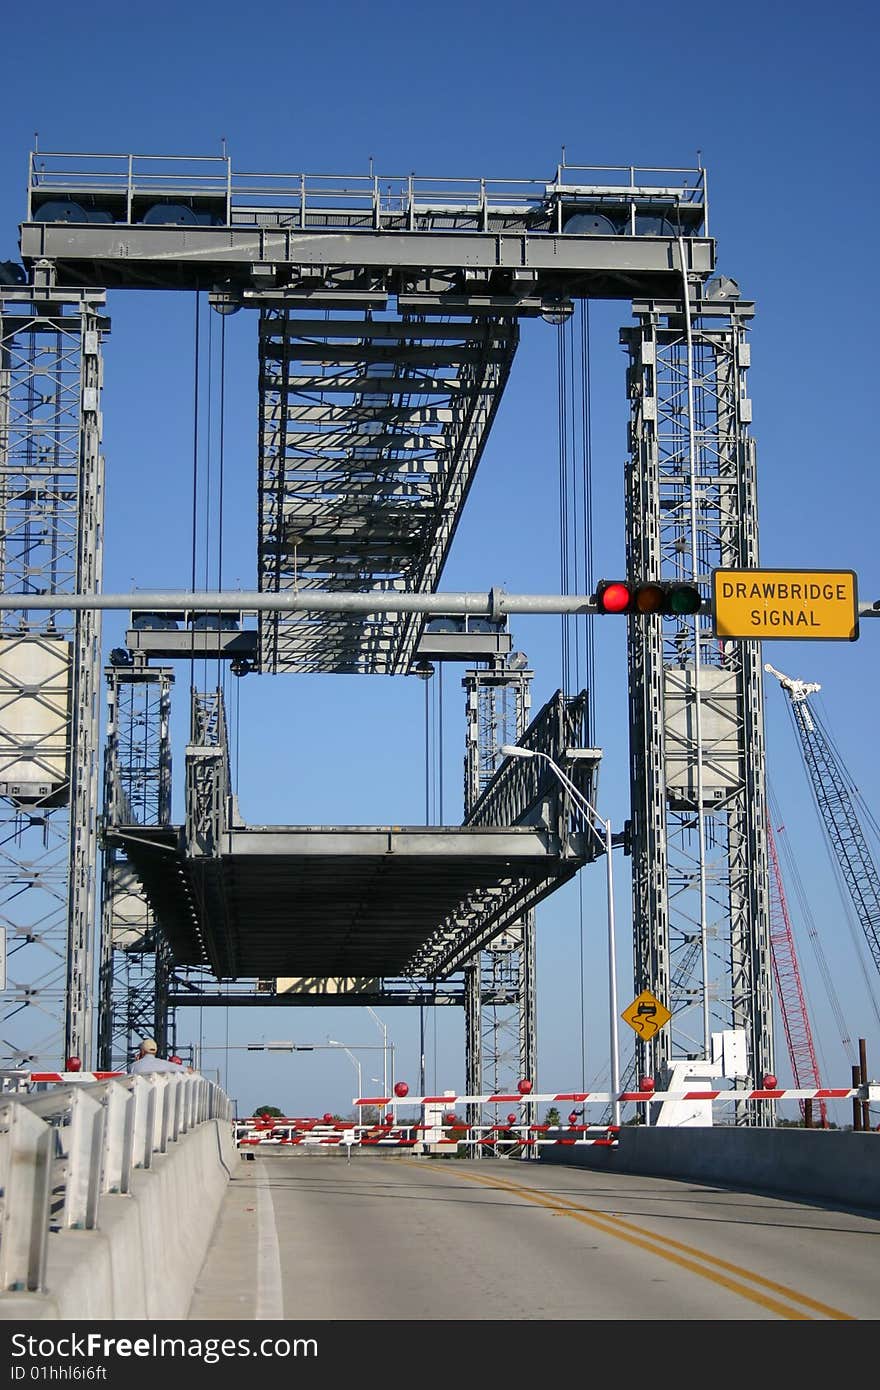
[
  {"x": 384, "y": 1030},
  {"x": 514, "y": 751},
  {"x": 331, "y": 1042}
]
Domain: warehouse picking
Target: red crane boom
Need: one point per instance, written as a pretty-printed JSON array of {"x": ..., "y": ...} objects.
[{"x": 789, "y": 990}]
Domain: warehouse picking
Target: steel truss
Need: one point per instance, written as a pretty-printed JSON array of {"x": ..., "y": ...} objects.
[
  {"x": 51, "y": 521},
  {"x": 501, "y": 1037},
  {"x": 700, "y": 870},
  {"x": 500, "y": 1011},
  {"x": 135, "y": 959},
  {"x": 371, "y": 432}
]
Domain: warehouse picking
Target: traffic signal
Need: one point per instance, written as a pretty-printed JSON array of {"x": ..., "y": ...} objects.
[{"x": 665, "y": 596}]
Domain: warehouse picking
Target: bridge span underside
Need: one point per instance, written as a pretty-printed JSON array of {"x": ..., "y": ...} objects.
[{"x": 353, "y": 901}]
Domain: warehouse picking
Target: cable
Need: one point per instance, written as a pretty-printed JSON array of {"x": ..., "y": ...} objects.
[
  {"x": 440, "y": 741},
  {"x": 587, "y": 487},
  {"x": 562, "y": 409},
  {"x": 195, "y": 478}
]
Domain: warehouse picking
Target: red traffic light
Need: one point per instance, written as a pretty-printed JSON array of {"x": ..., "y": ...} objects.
[
  {"x": 524, "y": 1086},
  {"x": 511, "y": 1119},
  {"x": 613, "y": 596},
  {"x": 768, "y": 1082},
  {"x": 646, "y": 1083},
  {"x": 401, "y": 1089},
  {"x": 73, "y": 1064},
  {"x": 663, "y": 596}
]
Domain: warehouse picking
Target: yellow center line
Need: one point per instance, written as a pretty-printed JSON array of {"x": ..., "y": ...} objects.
[{"x": 627, "y": 1231}]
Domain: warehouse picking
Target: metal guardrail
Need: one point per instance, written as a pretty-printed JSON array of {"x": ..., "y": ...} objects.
[
  {"x": 65, "y": 1147},
  {"x": 127, "y": 184}
]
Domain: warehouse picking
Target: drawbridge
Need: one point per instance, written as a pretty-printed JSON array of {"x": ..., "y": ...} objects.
[{"x": 389, "y": 312}]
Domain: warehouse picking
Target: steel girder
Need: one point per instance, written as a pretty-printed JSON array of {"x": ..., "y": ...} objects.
[
  {"x": 700, "y": 866},
  {"x": 440, "y": 245},
  {"x": 51, "y": 517},
  {"x": 370, "y": 434}
]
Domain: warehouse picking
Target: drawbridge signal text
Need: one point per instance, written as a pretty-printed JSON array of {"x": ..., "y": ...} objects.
[{"x": 785, "y": 603}]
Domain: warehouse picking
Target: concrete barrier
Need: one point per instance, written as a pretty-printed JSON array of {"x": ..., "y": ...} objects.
[
  {"x": 839, "y": 1166},
  {"x": 143, "y": 1259}
]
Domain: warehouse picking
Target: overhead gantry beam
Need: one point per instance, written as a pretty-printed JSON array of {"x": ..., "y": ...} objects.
[{"x": 459, "y": 245}]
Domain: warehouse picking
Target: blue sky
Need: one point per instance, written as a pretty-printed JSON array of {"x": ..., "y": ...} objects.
[{"x": 780, "y": 100}]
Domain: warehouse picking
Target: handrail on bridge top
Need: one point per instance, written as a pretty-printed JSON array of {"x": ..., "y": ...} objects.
[
  {"x": 68, "y": 1138},
  {"x": 127, "y": 178}
]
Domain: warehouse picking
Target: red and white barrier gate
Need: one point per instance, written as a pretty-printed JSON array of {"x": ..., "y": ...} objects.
[
  {"x": 255, "y": 1133},
  {"x": 869, "y": 1092}
]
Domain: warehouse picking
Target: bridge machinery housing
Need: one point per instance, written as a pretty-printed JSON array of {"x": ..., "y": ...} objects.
[{"x": 389, "y": 313}]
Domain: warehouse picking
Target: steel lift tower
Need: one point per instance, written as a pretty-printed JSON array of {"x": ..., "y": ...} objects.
[
  {"x": 135, "y": 964},
  {"x": 700, "y": 868},
  {"x": 500, "y": 1036},
  {"x": 51, "y": 523}
]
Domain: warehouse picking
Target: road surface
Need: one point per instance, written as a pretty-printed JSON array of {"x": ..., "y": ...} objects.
[{"x": 412, "y": 1238}]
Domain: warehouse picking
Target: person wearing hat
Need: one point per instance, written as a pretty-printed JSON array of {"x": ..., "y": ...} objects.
[{"x": 147, "y": 1060}]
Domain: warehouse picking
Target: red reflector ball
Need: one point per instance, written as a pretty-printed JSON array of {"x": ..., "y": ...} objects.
[
  {"x": 73, "y": 1064},
  {"x": 511, "y": 1119},
  {"x": 524, "y": 1087},
  {"x": 401, "y": 1089},
  {"x": 449, "y": 1119},
  {"x": 328, "y": 1118},
  {"x": 646, "y": 1083},
  {"x": 573, "y": 1117},
  {"x": 769, "y": 1082},
  {"x": 615, "y": 598}
]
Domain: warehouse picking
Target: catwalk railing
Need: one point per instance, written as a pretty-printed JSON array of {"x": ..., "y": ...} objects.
[{"x": 67, "y": 1139}]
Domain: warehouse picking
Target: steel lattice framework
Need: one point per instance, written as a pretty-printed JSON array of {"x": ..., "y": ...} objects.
[
  {"x": 835, "y": 796},
  {"x": 700, "y": 873},
  {"x": 500, "y": 984},
  {"x": 371, "y": 431},
  {"x": 51, "y": 513},
  {"x": 137, "y": 790},
  {"x": 789, "y": 988}
]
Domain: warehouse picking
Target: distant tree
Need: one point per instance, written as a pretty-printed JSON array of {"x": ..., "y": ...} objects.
[
  {"x": 553, "y": 1117},
  {"x": 271, "y": 1110}
]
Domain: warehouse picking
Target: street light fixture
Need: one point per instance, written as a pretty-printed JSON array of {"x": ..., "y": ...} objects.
[{"x": 515, "y": 751}]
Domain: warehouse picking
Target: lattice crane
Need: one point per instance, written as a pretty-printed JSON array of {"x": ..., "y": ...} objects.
[
  {"x": 832, "y": 786},
  {"x": 789, "y": 990}
]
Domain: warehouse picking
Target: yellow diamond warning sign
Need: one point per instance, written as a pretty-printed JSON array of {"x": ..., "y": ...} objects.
[
  {"x": 785, "y": 603},
  {"x": 646, "y": 1015}
]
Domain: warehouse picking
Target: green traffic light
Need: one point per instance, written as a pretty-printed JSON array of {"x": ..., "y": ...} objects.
[{"x": 684, "y": 598}]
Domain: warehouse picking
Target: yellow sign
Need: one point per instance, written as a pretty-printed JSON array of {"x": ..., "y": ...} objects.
[
  {"x": 646, "y": 1015},
  {"x": 785, "y": 603}
]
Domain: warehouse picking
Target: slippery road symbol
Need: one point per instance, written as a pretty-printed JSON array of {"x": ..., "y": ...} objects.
[{"x": 646, "y": 1015}]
